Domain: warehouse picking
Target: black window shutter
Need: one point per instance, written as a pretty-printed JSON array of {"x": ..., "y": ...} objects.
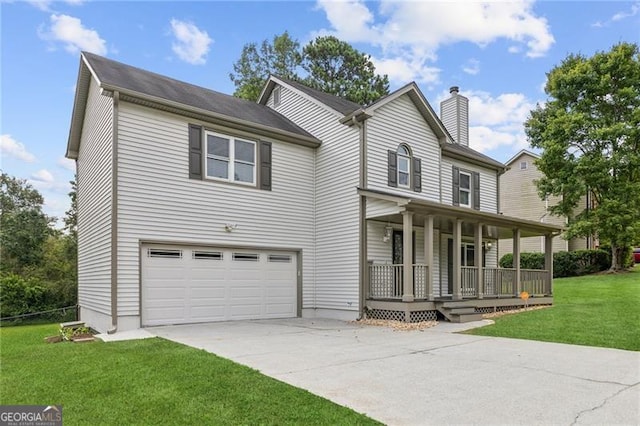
[
  {"x": 476, "y": 190},
  {"x": 392, "y": 170},
  {"x": 417, "y": 175},
  {"x": 265, "y": 166},
  {"x": 456, "y": 186},
  {"x": 195, "y": 151}
]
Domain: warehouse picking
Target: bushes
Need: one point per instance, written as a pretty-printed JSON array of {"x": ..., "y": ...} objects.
[
  {"x": 565, "y": 264},
  {"x": 19, "y": 296}
]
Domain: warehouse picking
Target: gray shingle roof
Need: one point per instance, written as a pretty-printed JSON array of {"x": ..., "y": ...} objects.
[
  {"x": 122, "y": 76},
  {"x": 341, "y": 105},
  {"x": 472, "y": 154}
]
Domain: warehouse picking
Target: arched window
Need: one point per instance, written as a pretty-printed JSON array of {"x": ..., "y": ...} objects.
[
  {"x": 404, "y": 170},
  {"x": 404, "y": 166}
]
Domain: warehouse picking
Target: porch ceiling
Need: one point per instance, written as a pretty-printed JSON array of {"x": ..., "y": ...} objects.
[{"x": 496, "y": 225}]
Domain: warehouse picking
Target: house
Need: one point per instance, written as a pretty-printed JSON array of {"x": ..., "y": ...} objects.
[
  {"x": 195, "y": 206},
  {"x": 519, "y": 198}
]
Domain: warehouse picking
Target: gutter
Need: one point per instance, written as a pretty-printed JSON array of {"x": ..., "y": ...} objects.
[
  {"x": 133, "y": 96},
  {"x": 114, "y": 216}
]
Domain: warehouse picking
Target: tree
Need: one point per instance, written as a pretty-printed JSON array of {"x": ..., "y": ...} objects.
[
  {"x": 332, "y": 66},
  {"x": 24, "y": 227},
  {"x": 336, "y": 67},
  {"x": 280, "y": 57},
  {"x": 589, "y": 131}
]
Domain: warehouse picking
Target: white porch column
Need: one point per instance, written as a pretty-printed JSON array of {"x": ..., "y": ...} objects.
[
  {"x": 457, "y": 263},
  {"x": 516, "y": 260},
  {"x": 478, "y": 260},
  {"x": 407, "y": 256},
  {"x": 548, "y": 260},
  {"x": 428, "y": 254}
]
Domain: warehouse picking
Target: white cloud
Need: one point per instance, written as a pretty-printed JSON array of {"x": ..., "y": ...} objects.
[
  {"x": 50, "y": 185},
  {"x": 192, "y": 44},
  {"x": 43, "y": 175},
  {"x": 417, "y": 30},
  {"x": 619, "y": 16},
  {"x": 496, "y": 121},
  {"x": 472, "y": 67},
  {"x": 482, "y": 138},
  {"x": 402, "y": 68},
  {"x": 12, "y": 148},
  {"x": 67, "y": 164},
  {"x": 74, "y": 35},
  {"x": 504, "y": 108},
  {"x": 45, "y": 5},
  {"x": 635, "y": 8}
]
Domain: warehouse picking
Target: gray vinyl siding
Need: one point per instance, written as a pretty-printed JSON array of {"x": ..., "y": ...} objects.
[
  {"x": 455, "y": 117},
  {"x": 519, "y": 198},
  {"x": 94, "y": 203},
  {"x": 399, "y": 122},
  {"x": 376, "y": 208},
  {"x": 488, "y": 184},
  {"x": 158, "y": 202},
  {"x": 336, "y": 202}
]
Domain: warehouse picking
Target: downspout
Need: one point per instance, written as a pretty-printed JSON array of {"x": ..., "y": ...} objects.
[
  {"x": 362, "y": 222},
  {"x": 114, "y": 216}
]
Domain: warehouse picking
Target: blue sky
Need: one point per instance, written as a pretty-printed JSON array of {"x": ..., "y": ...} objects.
[{"x": 497, "y": 52}]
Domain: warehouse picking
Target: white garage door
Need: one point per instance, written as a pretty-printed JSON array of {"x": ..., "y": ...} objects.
[{"x": 186, "y": 285}]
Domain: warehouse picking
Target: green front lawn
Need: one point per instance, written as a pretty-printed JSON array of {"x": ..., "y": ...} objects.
[
  {"x": 152, "y": 381},
  {"x": 594, "y": 310}
]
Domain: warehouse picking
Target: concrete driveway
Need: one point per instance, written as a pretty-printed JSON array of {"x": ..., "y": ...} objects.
[{"x": 431, "y": 376}]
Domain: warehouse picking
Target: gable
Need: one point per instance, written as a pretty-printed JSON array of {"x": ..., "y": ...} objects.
[{"x": 157, "y": 91}]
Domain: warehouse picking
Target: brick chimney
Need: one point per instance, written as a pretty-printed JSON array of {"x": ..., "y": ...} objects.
[{"x": 454, "y": 113}]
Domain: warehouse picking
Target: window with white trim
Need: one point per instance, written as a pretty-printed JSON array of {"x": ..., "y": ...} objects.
[
  {"x": 465, "y": 189},
  {"x": 230, "y": 159},
  {"x": 524, "y": 165},
  {"x": 404, "y": 167},
  {"x": 277, "y": 96}
]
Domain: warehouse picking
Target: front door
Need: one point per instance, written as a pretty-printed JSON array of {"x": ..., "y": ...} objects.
[{"x": 398, "y": 247}]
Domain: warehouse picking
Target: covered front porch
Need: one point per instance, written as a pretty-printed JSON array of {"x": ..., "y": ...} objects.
[{"x": 425, "y": 258}]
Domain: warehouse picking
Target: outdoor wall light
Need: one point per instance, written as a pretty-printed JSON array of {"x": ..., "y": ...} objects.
[{"x": 388, "y": 231}]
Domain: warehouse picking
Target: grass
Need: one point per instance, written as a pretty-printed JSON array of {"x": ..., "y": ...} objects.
[
  {"x": 595, "y": 310},
  {"x": 151, "y": 381}
]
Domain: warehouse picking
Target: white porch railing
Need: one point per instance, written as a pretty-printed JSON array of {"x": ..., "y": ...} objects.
[{"x": 386, "y": 281}]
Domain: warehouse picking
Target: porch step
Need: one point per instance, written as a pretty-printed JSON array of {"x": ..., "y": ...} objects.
[
  {"x": 462, "y": 311},
  {"x": 461, "y": 314}
]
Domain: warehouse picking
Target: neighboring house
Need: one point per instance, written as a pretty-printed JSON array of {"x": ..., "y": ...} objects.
[
  {"x": 519, "y": 198},
  {"x": 195, "y": 206}
]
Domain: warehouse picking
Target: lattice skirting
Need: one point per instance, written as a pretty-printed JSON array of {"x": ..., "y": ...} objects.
[
  {"x": 419, "y": 316},
  {"x": 390, "y": 315}
]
